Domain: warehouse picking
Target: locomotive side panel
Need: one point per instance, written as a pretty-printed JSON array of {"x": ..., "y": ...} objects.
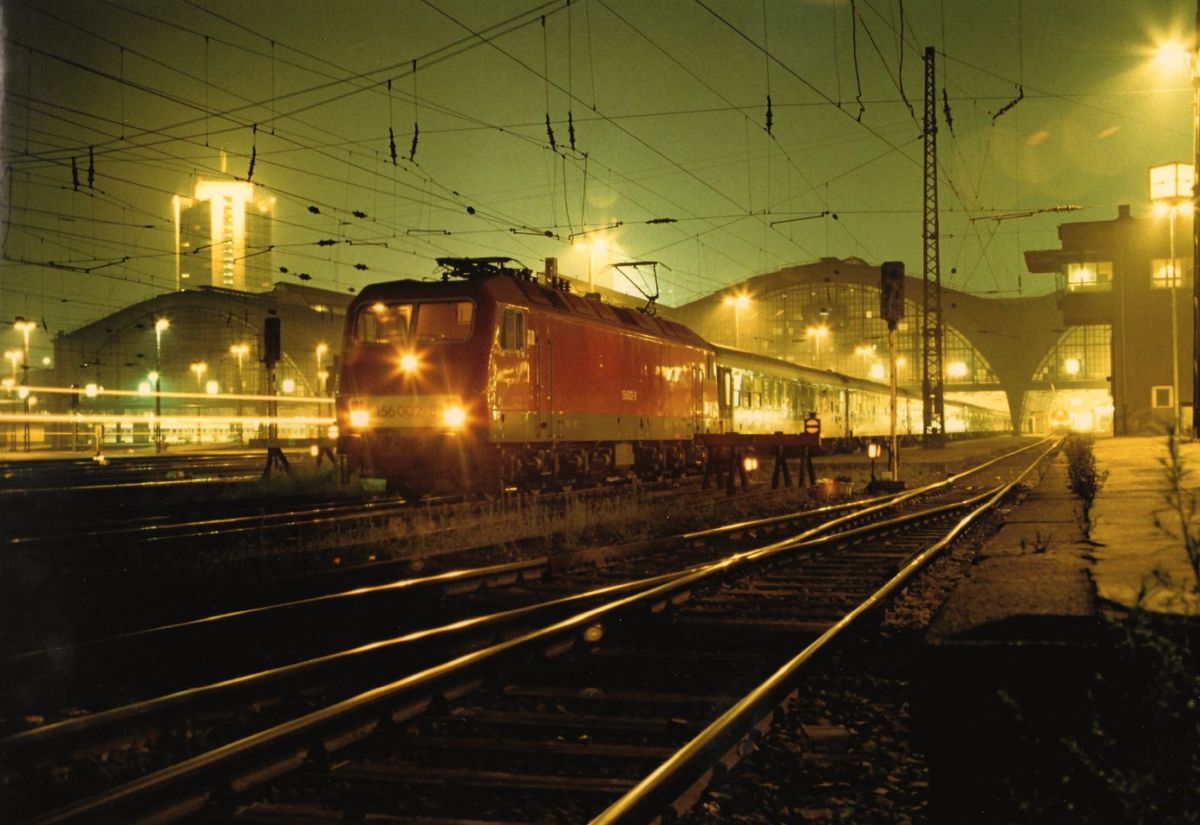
[{"x": 510, "y": 385}]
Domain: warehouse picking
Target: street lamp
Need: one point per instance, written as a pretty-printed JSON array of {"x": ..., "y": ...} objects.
[
  {"x": 1175, "y": 55},
  {"x": 817, "y": 332},
  {"x": 160, "y": 326},
  {"x": 593, "y": 246},
  {"x": 239, "y": 351},
  {"x": 1170, "y": 185},
  {"x": 865, "y": 351},
  {"x": 25, "y": 327},
  {"x": 321, "y": 350},
  {"x": 739, "y": 301},
  {"x": 198, "y": 368}
]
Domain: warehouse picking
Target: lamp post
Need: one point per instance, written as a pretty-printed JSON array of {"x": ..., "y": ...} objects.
[
  {"x": 1169, "y": 187},
  {"x": 239, "y": 351},
  {"x": 198, "y": 368},
  {"x": 321, "y": 350},
  {"x": 865, "y": 352},
  {"x": 160, "y": 326},
  {"x": 816, "y": 333},
  {"x": 25, "y": 327},
  {"x": 1195, "y": 203},
  {"x": 1171, "y": 56},
  {"x": 739, "y": 302}
]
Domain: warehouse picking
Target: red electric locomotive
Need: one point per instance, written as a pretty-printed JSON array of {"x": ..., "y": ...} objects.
[{"x": 491, "y": 379}]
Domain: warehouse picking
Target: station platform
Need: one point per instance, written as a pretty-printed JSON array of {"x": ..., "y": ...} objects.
[
  {"x": 1040, "y": 564},
  {"x": 1006, "y": 681}
]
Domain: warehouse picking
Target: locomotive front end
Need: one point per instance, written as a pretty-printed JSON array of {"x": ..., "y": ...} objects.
[{"x": 411, "y": 401}]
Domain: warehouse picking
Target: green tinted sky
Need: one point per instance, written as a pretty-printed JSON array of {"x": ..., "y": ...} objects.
[{"x": 668, "y": 102}]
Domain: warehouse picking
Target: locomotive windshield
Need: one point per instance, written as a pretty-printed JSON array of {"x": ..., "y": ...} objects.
[{"x": 442, "y": 321}]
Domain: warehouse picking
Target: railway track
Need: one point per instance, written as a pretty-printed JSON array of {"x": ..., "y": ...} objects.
[
  {"x": 598, "y": 692},
  {"x": 345, "y": 605},
  {"x": 119, "y": 575}
]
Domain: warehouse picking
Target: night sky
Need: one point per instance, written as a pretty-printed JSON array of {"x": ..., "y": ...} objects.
[{"x": 667, "y": 101}]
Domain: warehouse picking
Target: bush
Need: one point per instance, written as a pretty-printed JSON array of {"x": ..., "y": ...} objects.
[{"x": 1084, "y": 479}]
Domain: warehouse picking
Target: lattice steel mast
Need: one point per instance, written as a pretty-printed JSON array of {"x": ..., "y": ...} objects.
[{"x": 932, "y": 386}]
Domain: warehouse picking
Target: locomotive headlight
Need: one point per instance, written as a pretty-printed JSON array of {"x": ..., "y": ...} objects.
[
  {"x": 359, "y": 418},
  {"x": 454, "y": 417},
  {"x": 408, "y": 362},
  {"x": 750, "y": 463}
]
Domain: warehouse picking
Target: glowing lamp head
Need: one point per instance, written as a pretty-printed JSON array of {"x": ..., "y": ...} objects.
[
  {"x": 359, "y": 418},
  {"x": 408, "y": 362},
  {"x": 454, "y": 417},
  {"x": 91, "y": 390}
]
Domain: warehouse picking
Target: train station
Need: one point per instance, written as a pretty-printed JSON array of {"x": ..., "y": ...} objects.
[{"x": 599, "y": 412}]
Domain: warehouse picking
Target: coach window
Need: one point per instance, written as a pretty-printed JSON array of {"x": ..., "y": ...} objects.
[
  {"x": 512, "y": 330},
  {"x": 449, "y": 321}
]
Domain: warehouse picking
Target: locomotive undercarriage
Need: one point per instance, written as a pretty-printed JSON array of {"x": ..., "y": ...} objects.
[
  {"x": 535, "y": 466},
  {"x": 440, "y": 463}
]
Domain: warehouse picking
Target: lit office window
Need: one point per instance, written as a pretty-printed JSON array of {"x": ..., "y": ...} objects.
[
  {"x": 1165, "y": 273},
  {"x": 1089, "y": 275}
]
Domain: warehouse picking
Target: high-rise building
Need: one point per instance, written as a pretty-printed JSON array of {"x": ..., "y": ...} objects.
[{"x": 223, "y": 237}]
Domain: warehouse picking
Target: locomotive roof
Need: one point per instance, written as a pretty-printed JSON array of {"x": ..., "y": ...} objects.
[{"x": 536, "y": 297}]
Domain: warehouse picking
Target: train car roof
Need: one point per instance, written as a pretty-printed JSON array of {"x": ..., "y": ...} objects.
[
  {"x": 533, "y": 295},
  {"x": 769, "y": 365}
]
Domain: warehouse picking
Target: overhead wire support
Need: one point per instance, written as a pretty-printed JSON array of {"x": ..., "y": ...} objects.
[
  {"x": 1027, "y": 213},
  {"x": 582, "y": 232},
  {"x": 1003, "y": 109},
  {"x": 412, "y": 150},
  {"x": 932, "y": 332},
  {"x": 813, "y": 216}
]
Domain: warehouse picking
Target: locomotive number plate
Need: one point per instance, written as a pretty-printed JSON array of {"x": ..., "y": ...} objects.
[{"x": 409, "y": 411}]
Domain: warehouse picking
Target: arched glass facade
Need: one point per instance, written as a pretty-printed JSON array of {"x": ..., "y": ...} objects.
[{"x": 837, "y": 327}]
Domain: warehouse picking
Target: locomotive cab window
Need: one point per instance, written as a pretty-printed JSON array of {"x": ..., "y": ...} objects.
[
  {"x": 512, "y": 330},
  {"x": 382, "y": 323},
  {"x": 448, "y": 321}
]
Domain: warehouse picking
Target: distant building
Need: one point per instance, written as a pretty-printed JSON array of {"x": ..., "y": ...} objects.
[
  {"x": 208, "y": 357},
  {"x": 826, "y": 315},
  {"x": 223, "y": 237},
  {"x": 1126, "y": 305}
]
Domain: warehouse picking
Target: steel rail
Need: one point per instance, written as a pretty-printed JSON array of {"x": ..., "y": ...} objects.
[
  {"x": 118, "y": 720},
  {"x": 690, "y": 765},
  {"x": 263, "y": 755},
  {"x": 453, "y": 581},
  {"x": 160, "y": 530},
  {"x": 867, "y": 505}
]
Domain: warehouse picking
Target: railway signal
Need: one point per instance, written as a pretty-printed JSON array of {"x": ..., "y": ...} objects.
[{"x": 891, "y": 309}]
